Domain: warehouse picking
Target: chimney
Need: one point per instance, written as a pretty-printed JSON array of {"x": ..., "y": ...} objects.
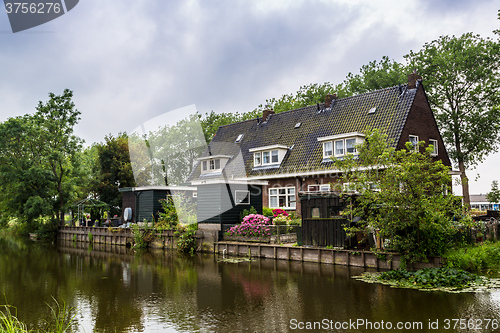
[
  {"x": 329, "y": 100},
  {"x": 266, "y": 113},
  {"x": 412, "y": 80}
]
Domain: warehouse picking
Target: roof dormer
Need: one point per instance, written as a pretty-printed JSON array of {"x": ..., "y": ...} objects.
[
  {"x": 268, "y": 156},
  {"x": 213, "y": 164},
  {"x": 340, "y": 145}
]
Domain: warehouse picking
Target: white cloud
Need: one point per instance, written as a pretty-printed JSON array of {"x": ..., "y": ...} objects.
[{"x": 128, "y": 62}]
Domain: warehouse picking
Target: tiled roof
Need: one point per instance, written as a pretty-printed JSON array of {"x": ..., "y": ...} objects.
[{"x": 305, "y": 153}]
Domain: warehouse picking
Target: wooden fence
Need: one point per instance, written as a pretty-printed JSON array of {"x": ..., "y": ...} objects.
[{"x": 324, "y": 232}]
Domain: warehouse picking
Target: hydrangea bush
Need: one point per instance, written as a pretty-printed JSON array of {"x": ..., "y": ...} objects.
[
  {"x": 253, "y": 225},
  {"x": 279, "y": 211}
]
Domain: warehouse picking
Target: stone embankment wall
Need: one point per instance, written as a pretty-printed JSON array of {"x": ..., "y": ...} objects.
[
  {"x": 367, "y": 259},
  {"x": 207, "y": 242}
]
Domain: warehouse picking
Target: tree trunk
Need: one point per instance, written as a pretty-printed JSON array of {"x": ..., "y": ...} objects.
[{"x": 465, "y": 185}]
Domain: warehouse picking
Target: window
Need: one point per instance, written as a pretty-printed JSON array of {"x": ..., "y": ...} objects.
[
  {"x": 319, "y": 188},
  {"x": 265, "y": 157},
  {"x": 257, "y": 159},
  {"x": 268, "y": 155},
  {"x": 274, "y": 156},
  {"x": 327, "y": 149},
  {"x": 242, "y": 197},
  {"x": 341, "y": 144},
  {"x": 350, "y": 145},
  {"x": 315, "y": 212},
  {"x": 434, "y": 144},
  {"x": 414, "y": 142},
  {"x": 282, "y": 197},
  {"x": 238, "y": 139},
  {"x": 339, "y": 147},
  {"x": 215, "y": 164},
  {"x": 349, "y": 187}
]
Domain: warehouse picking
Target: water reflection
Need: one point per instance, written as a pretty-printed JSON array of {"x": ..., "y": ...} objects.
[{"x": 113, "y": 289}]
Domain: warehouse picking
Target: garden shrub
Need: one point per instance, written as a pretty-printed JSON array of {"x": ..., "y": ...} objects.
[
  {"x": 279, "y": 211},
  {"x": 266, "y": 211},
  {"x": 246, "y": 212},
  {"x": 475, "y": 258},
  {"x": 253, "y": 225},
  {"x": 186, "y": 243}
]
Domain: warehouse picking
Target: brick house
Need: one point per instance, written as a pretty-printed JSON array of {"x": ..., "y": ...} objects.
[{"x": 290, "y": 152}]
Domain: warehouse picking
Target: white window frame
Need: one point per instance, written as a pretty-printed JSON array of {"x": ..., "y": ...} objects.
[
  {"x": 349, "y": 187},
  {"x": 257, "y": 158},
  {"x": 195, "y": 194},
  {"x": 346, "y": 148},
  {"x": 334, "y": 141},
  {"x": 327, "y": 153},
  {"x": 247, "y": 202},
  {"x": 415, "y": 144},
  {"x": 290, "y": 199},
  {"x": 274, "y": 156},
  {"x": 335, "y": 153},
  {"x": 434, "y": 144},
  {"x": 238, "y": 139},
  {"x": 319, "y": 188},
  {"x": 214, "y": 164},
  {"x": 269, "y": 155}
]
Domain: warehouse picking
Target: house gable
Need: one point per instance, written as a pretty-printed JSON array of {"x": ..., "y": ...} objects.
[{"x": 421, "y": 122}]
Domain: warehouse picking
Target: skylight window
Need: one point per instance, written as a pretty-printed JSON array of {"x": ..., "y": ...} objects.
[
  {"x": 238, "y": 139},
  {"x": 372, "y": 110},
  {"x": 297, "y": 125}
]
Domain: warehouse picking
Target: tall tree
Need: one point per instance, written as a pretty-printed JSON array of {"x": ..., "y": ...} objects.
[
  {"x": 58, "y": 145},
  {"x": 113, "y": 170},
  {"x": 25, "y": 182},
  {"x": 462, "y": 76},
  {"x": 494, "y": 195},
  {"x": 373, "y": 76},
  {"x": 36, "y": 159},
  {"x": 400, "y": 193}
]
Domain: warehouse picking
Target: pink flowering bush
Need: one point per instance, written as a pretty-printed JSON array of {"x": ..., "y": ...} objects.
[
  {"x": 279, "y": 211},
  {"x": 253, "y": 225}
]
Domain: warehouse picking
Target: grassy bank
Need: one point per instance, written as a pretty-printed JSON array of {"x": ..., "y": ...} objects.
[{"x": 482, "y": 257}]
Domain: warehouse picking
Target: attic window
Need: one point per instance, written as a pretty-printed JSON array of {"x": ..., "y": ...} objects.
[
  {"x": 297, "y": 125},
  {"x": 238, "y": 139},
  {"x": 212, "y": 164},
  {"x": 434, "y": 144},
  {"x": 268, "y": 155},
  {"x": 341, "y": 144},
  {"x": 372, "y": 110}
]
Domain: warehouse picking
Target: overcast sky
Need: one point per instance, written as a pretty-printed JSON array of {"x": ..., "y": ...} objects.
[{"x": 130, "y": 61}]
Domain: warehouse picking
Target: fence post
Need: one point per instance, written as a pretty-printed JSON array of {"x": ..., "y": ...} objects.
[{"x": 278, "y": 234}]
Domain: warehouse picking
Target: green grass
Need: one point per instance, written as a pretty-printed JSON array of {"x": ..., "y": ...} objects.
[
  {"x": 9, "y": 322},
  {"x": 476, "y": 258},
  {"x": 62, "y": 320}
]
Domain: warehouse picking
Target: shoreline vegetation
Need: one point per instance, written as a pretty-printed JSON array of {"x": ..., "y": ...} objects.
[
  {"x": 461, "y": 274},
  {"x": 60, "y": 320}
]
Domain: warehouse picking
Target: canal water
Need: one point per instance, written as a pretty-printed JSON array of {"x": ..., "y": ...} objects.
[{"x": 112, "y": 289}]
